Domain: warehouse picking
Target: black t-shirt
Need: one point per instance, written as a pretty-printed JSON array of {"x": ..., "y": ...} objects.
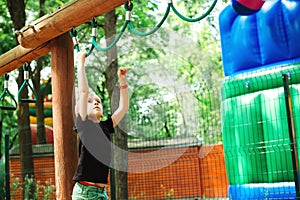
[{"x": 94, "y": 150}]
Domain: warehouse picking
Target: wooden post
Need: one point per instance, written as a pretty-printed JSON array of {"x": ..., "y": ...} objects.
[{"x": 62, "y": 59}]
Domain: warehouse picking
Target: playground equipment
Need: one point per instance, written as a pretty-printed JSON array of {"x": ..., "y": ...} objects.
[
  {"x": 48, "y": 34},
  {"x": 260, "y": 100},
  {"x": 27, "y": 85},
  {"x": 8, "y": 103},
  {"x": 7, "y": 100},
  {"x": 35, "y": 39},
  {"x": 245, "y": 7},
  {"x": 128, "y": 23}
]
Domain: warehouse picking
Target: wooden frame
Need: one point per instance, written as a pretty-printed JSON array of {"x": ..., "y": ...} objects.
[
  {"x": 50, "y": 34},
  {"x": 33, "y": 38}
]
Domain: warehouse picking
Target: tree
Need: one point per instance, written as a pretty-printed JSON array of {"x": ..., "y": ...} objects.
[
  {"x": 39, "y": 9},
  {"x": 8, "y": 118},
  {"x": 197, "y": 60},
  {"x": 17, "y": 13},
  {"x": 36, "y": 79},
  {"x": 120, "y": 138},
  {"x": 6, "y": 29}
]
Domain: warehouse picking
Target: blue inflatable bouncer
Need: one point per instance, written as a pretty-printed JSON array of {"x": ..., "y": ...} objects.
[{"x": 260, "y": 44}]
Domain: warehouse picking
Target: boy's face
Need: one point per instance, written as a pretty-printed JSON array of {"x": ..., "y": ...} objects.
[{"x": 94, "y": 108}]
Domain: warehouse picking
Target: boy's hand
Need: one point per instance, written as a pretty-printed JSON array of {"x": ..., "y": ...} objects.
[
  {"x": 81, "y": 57},
  {"x": 122, "y": 75}
]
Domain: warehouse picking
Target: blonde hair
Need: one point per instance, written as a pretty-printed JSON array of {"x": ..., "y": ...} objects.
[{"x": 76, "y": 100}]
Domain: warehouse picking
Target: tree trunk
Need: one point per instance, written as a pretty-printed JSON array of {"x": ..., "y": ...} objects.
[
  {"x": 27, "y": 168},
  {"x": 17, "y": 12},
  {"x": 41, "y": 133},
  {"x": 1, "y": 117},
  {"x": 120, "y": 138}
]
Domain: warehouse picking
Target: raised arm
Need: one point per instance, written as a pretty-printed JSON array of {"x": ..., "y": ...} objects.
[
  {"x": 83, "y": 88},
  {"x": 124, "y": 99}
]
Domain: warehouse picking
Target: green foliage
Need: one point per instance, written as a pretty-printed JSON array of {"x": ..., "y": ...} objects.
[
  {"x": 192, "y": 8},
  {"x": 47, "y": 189},
  {"x": 144, "y": 14},
  {"x": 41, "y": 191},
  {"x": 167, "y": 193},
  {"x": 34, "y": 9},
  {"x": 27, "y": 185},
  {"x": 150, "y": 116},
  {"x": 15, "y": 184},
  {"x": 6, "y": 30}
]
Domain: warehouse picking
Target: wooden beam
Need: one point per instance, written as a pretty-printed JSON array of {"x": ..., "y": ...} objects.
[
  {"x": 17, "y": 56},
  {"x": 62, "y": 20}
]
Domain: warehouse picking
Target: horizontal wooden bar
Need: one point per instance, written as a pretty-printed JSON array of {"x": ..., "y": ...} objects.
[
  {"x": 19, "y": 55},
  {"x": 63, "y": 19}
]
